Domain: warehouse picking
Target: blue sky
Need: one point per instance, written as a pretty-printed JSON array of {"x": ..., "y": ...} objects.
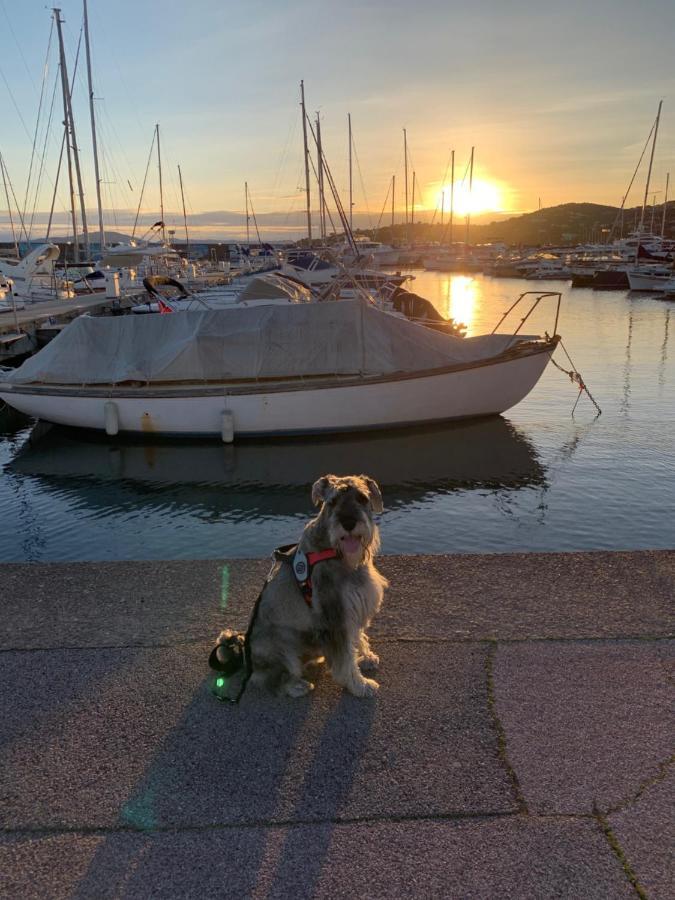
[{"x": 558, "y": 98}]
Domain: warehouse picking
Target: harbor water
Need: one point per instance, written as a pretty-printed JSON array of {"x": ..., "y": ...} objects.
[{"x": 537, "y": 478}]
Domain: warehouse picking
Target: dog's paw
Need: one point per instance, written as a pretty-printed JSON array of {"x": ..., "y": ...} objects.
[
  {"x": 365, "y": 687},
  {"x": 369, "y": 662},
  {"x": 299, "y": 688}
]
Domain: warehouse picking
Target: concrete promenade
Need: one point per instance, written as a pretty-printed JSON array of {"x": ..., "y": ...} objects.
[{"x": 520, "y": 745}]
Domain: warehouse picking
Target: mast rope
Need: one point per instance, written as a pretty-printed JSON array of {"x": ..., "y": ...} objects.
[
  {"x": 575, "y": 377},
  {"x": 145, "y": 177},
  {"x": 363, "y": 186},
  {"x": 384, "y": 206},
  {"x": 336, "y": 197},
  {"x": 445, "y": 175},
  {"x": 619, "y": 214},
  {"x": 44, "y": 154},
  {"x": 45, "y": 70}
]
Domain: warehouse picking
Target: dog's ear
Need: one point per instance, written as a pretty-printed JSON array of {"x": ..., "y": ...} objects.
[
  {"x": 375, "y": 494},
  {"x": 320, "y": 488}
]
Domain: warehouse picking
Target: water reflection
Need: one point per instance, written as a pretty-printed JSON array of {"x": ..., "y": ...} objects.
[
  {"x": 664, "y": 352},
  {"x": 254, "y": 479},
  {"x": 461, "y": 293}
]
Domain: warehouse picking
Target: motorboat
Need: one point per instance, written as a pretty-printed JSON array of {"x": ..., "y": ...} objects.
[
  {"x": 658, "y": 280},
  {"x": 264, "y": 289},
  {"x": 305, "y": 368},
  {"x": 316, "y": 272},
  {"x": 34, "y": 278}
]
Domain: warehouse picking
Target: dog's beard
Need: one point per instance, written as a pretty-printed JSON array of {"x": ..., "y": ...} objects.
[{"x": 353, "y": 545}]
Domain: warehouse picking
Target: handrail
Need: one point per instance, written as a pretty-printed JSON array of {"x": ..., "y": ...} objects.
[{"x": 541, "y": 295}]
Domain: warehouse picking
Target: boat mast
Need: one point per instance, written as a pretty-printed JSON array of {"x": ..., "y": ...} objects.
[
  {"x": 322, "y": 199},
  {"x": 649, "y": 175},
  {"x": 306, "y": 151},
  {"x": 101, "y": 233},
  {"x": 452, "y": 192},
  {"x": 405, "y": 167},
  {"x": 248, "y": 233},
  {"x": 351, "y": 201},
  {"x": 182, "y": 197},
  {"x": 412, "y": 205},
  {"x": 161, "y": 186},
  {"x": 468, "y": 214},
  {"x": 393, "y": 191},
  {"x": 665, "y": 203},
  {"x": 65, "y": 93},
  {"x": 68, "y": 109}
]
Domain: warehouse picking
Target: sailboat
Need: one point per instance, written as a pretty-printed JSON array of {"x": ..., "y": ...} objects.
[{"x": 300, "y": 368}]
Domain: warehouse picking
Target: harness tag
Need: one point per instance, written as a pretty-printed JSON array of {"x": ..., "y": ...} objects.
[{"x": 300, "y": 566}]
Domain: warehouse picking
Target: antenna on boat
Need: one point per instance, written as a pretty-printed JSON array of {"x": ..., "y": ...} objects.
[
  {"x": 161, "y": 187},
  {"x": 306, "y": 153},
  {"x": 93, "y": 128},
  {"x": 182, "y": 197}
]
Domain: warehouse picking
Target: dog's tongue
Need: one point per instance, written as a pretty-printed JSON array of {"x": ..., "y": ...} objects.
[{"x": 351, "y": 544}]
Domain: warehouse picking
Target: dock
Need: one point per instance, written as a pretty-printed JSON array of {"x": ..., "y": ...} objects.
[
  {"x": 25, "y": 331},
  {"x": 520, "y": 744},
  {"x": 38, "y": 322}
]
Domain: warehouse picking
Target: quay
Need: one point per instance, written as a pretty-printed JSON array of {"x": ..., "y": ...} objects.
[
  {"x": 39, "y": 322},
  {"x": 27, "y": 330},
  {"x": 520, "y": 744}
]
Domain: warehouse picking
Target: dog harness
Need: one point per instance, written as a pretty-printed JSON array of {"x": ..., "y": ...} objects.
[
  {"x": 239, "y": 646},
  {"x": 303, "y": 565}
]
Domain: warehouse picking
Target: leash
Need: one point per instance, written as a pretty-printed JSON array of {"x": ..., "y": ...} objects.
[{"x": 237, "y": 648}]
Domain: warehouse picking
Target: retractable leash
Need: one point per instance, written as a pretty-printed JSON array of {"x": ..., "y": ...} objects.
[{"x": 235, "y": 652}]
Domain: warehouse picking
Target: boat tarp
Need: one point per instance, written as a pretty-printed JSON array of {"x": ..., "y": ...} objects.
[
  {"x": 338, "y": 338},
  {"x": 271, "y": 287}
]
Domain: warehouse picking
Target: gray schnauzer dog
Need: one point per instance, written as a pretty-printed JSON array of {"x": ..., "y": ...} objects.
[{"x": 344, "y": 591}]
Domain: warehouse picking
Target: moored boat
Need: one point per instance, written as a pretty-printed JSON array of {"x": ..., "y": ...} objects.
[{"x": 273, "y": 370}]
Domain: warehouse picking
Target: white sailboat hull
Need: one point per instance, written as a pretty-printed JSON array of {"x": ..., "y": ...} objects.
[
  {"x": 292, "y": 407},
  {"x": 644, "y": 282}
]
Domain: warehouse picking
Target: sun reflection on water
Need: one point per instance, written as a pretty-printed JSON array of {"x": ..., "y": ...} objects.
[{"x": 461, "y": 298}]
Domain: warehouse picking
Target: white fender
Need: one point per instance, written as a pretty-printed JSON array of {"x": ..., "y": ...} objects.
[
  {"x": 111, "y": 418},
  {"x": 227, "y": 427}
]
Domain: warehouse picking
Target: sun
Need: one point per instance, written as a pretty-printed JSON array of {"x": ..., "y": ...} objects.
[{"x": 484, "y": 196}]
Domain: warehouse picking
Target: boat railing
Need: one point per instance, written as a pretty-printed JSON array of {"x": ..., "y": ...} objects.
[{"x": 539, "y": 296}]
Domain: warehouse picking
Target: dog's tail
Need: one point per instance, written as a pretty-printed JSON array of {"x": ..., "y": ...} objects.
[{"x": 228, "y": 654}]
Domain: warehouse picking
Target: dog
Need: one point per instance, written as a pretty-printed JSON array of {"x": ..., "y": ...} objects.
[{"x": 292, "y": 632}]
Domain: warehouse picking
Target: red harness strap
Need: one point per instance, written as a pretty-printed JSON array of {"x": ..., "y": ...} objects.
[{"x": 302, "y": 565}]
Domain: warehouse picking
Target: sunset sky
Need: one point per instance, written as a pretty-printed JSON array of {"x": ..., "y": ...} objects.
[{"x": 558, "y": 98}]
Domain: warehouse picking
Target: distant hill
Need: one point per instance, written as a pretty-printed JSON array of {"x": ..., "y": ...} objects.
[{"x": 569, "y": 223}]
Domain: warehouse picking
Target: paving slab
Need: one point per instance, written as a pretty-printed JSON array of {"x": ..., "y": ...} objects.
[
  {"x": 586, "y": 724},
  {"x": 506, "y": 858},
  {"x": 645, "y": 830},
  {"x": 135, "y": 737},
  {"x": 471, "y": 597}
]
